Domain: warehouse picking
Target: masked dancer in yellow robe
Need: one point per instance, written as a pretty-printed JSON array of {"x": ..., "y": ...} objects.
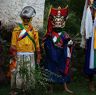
[{"x": 24, "y": 44}]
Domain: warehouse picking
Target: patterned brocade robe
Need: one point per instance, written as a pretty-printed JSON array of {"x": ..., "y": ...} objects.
[{"x": 57, "y": 48}]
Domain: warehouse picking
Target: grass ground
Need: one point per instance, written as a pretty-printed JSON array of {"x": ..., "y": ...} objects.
[
  {"x": 79, "y": 85},
  {"x": 4, "y": 90}
]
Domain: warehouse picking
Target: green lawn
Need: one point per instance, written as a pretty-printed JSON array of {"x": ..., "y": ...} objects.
[
  {"x": 79, "y": 85},
  {"x": 4, "y": 90}
]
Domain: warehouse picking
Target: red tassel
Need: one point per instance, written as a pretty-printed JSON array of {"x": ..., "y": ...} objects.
[{"x": 67, "y": 66}]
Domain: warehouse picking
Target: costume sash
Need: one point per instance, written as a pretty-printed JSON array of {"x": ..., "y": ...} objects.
[{"x": 58, "y": 39}]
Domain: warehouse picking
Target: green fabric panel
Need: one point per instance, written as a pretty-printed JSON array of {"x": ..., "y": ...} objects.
[{"x": 21, "y": 26}]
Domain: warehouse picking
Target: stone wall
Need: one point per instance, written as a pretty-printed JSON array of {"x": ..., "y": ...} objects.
[{"x": 10, "y": 10}]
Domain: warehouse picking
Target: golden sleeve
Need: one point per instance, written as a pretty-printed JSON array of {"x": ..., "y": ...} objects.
[
  {"x": 13, "y": 39},
  {"x": 36, "y": 38},
  {"x": 14, "y": 36},
  {"x": 13, "y": 48}
]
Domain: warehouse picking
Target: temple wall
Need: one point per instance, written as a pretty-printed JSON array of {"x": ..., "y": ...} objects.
[{"x": 10, "y": 10}]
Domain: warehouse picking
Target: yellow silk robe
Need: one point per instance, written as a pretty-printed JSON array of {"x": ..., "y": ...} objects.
[{"x": 25, "y": 45}]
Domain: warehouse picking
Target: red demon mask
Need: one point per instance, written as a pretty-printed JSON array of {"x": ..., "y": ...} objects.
[{"x": 58, "y": 17}]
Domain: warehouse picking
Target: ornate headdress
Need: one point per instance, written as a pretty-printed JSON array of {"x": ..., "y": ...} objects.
[
  {"x": 27, "y": 12},
  {"x": 58, "y": 16}
]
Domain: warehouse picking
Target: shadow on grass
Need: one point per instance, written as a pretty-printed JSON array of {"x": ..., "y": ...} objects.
[
  {"x": 79, "y": 86},
  {"x": 4, "y": 89}
]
